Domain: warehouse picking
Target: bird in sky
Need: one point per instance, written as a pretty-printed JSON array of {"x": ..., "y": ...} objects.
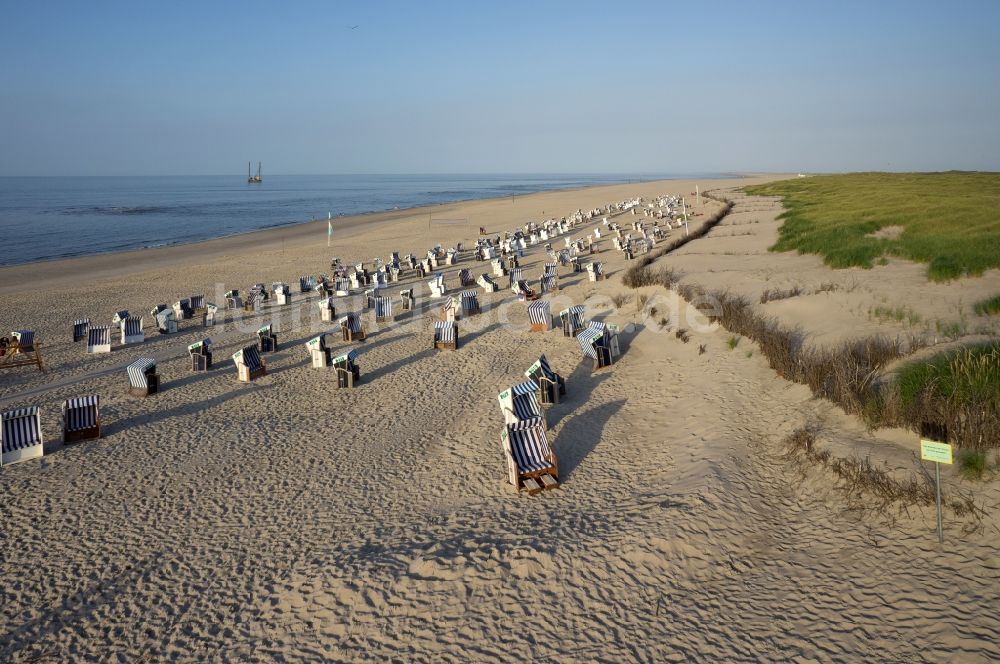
[{"x": 355, "y": 27}]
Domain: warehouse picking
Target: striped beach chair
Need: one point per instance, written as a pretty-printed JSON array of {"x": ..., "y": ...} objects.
[
  {"x": 233, "y": 299},
  {"x": 249, "y": 364},
  {"x": 449, "y": 311},
  {"x": 368, "y": 301},
  {"x": 81, "y": 418},
  {"x": 551, "y": 385},
  {"x": 99, "y": 339},
  {"x": 438, "y": 289},
  {"x": 595, "y": 271},
  {"x": 470, "y": 303},
  {"x": 267, "y": 340},
  {"x": 320, "y": 355},
  {"x": 254, "y": 300},
  {"x": 131, "y": 329},
  {"x": 182, "y": 309},
  {"x": 572, "y": 320},
  {"x": 351, "y": 327},
  {"x": 465, "y": 277},
  {"x": 80, "y": 328},
  {"x": 595, "y": 345},
  {"x": 20, "y": 435},
  {"x": 512, "y": 262},
  {"x": 445, "y": 335},
  {"x": 211, "y": 311},
  {"x": 549, "y": 283},
  {"x": 523, "y": 291},
  {"x": 327, "y": 310},
  {"x": 342, "y": 286},
  {"x": 20, "y": 349},
  {"x": 531, "y": 464},
  {"x": 499, "y": 269},
  {"x": 515, "y": 275},
  {"x": 348, "y": 371},
  {"x": 539, "y": 316},
  {"x": 451, "y": 257},
  {"x": 407, "y": 300},
  {"x": 307, "y": 284},
  {"x": 520, "y": 403},
  {"x": 265, "y": 293},
  {"x": 142, "y": 377},
  {"x": 282, "y": 293},
  {"x": 487, "y": 284},
  {"x": 383, "y": 309},
  {"x": 198, "y": 305},
  {"x": 165, "y": 321},
  {"x": 201, "y": 355}
]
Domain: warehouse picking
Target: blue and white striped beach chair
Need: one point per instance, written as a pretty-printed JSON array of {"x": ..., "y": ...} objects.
[
  {"x": 438, "y": 289},
  {"x": 267, "y": 339},
  {"x": 465, "y": 277},
  {"x": 539, "y": 316},
  {"x": 499, "y": 268},
  {"x": 573, "y": 320},
  {"x": 524, "y": 292},
  {"x": 408, "y": 303},
  {"x": 99, "y": 339},
  {"x": 515, "y": 275},
  {"x": 282, "y": 293},
  {"x": 449, "y": 311},
  {"x": 446, "y": 335},
  {"x": 319, "y": 353},
  {"x": 254, "y": 299},
  {"x": 470, "y": 303},
  {"x": 198, "y": 305},
  {"x": 595, "y": 271},
  {"x": 549, "y": 283},
  {"x": 520, "y": 403},
  {"x": 81, "y": 418},
  {"x": 201, "y": 355},
  {"x": 347, "y": 368},
  {"x": 531, "y": 464},
  {"x": 249, "y": 364},
  {"x": 351, "y": 327},
  {"x": 142, "y": 377},
  {"x": 307, "y": 284},
  {"x": 20, "y": 435},
  {"x": 551, "y": 385},
  {"x": 487, "y": 284},
  {"x": 383, "y": 309},
  {"x": 132, "y": 332},
  {"x": 233, "y": 299},
  {"x": 182, "y": 309},
  {"x": 595, "y": 344},
  {"x": 80, "y": 328},
  {"x": 327, "y": 309},
  {"x": 342, "y": 286},
  {"x": 120, "y": 316}
]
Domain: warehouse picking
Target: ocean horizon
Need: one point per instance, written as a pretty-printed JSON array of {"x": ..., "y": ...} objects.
[{"x": 65, "y": 216}]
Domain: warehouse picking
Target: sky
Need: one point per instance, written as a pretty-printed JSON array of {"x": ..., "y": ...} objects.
[{"x": 178, "y": 88}]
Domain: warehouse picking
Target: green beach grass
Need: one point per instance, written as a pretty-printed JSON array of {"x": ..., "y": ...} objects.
[{"x": 950, "y": 221}]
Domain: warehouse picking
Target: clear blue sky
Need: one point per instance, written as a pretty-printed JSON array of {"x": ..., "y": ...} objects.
[{"x": 175, "y": 87}]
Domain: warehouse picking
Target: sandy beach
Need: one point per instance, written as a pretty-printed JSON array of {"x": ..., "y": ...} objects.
[{"x": 287, "y": 520}]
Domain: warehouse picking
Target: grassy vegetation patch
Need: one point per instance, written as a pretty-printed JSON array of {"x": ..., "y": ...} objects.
[
  {"x": 988, "y": 307},
  {"x": 950, "y": 220}
]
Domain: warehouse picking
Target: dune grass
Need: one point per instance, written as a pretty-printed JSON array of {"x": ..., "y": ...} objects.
[
  {"x": 988, "y": 307},
  {"x": 949, "y": 219}
]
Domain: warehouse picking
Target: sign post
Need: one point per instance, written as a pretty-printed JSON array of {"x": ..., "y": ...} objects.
[{"x": 932, "y": 450}]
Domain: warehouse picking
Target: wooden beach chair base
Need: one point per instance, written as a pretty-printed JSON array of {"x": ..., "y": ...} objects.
[
  {"x": 539, "y": 483},
  {"x": 540, "y": 327},
  {"x": 245, "y": 375},
  {"x": 12, "y": 356},
  {"x": 353, "y": 336},
  {"x": 446, "y": 345},
  {"x": 90, "y": 433}
]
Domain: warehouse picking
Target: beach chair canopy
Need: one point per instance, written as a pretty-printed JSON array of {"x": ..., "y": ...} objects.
[
  {"x": 383, "y": 306},
  {"x": 138, "y": 370},
  {"x": 538, "y": 313},
  {"x": 132, "y": 326},
  {"x": 25, "y": 339},
  {"x": 542, "y": 369},
  {"x": 520, "y": 402},
  {"x": 81, "y": 412},
  {"x": 197, "y": 301},
  {"x": 573, "y": 314},
  {"x": 264, "y": 331},
  {"x": 444, "y": 331},
  {"x": 80, "y": 327},
  {"x": 99, "y": 335},
  {"x": 326, "y": 303},
  {"x": 200, "y": 346},
  {"x": 233, "y": 293},
  {"x": 348, "y": 359},
  {"x": 317, "y": 343},
  {"x": 587, "y": 339},
  {"x": 164, "y": 317},
  {"x": 20, "y": 429},
  {"x": 249, "y": 357},
  {"x": 120, "y": 316},
  {"x": 353, "y": 323},
  {"x": 470, "y": 299},
  {"x": 529, "y": 445}
]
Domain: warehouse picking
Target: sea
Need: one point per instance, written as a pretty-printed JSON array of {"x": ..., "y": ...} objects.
[{"x": 46, "y": 218}]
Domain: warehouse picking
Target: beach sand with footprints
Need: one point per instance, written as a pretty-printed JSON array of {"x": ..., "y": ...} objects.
[{"x": 288, "y": 520}]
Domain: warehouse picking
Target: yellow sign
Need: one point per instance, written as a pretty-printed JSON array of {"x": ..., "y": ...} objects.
[{"x": 931, "y": 450}]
